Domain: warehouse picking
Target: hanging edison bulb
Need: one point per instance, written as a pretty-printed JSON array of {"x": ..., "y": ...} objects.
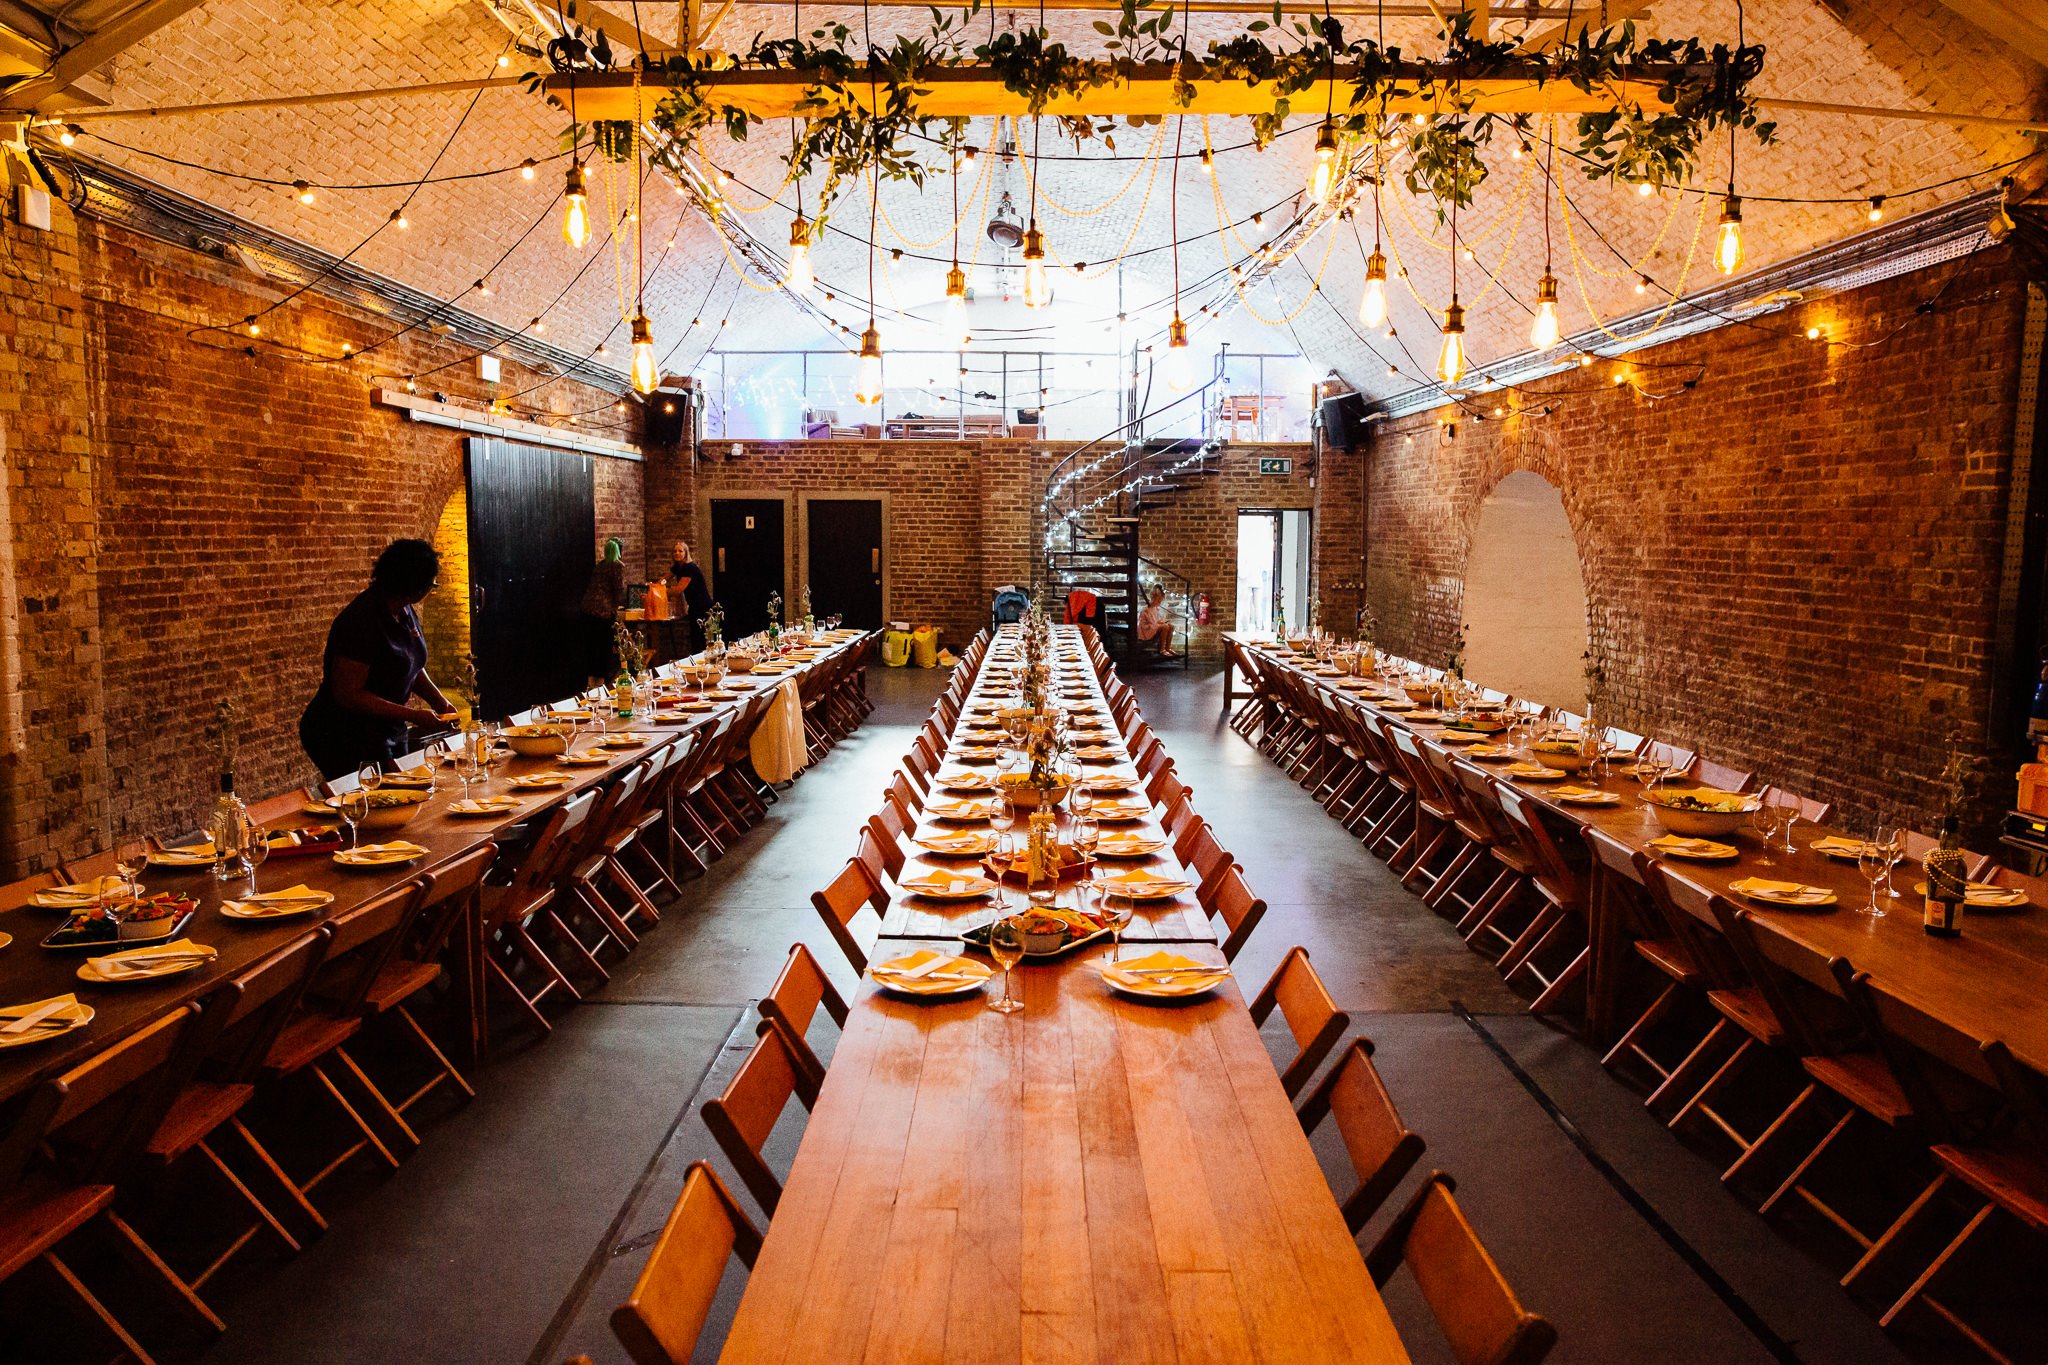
[
  {"x": 1208, "y": 163},
  {"x": 575, "y": 209},
  {"x": 1543, "y": 332},
  {"x": 799, "y": 279},
  {"x": 646, "y": 374},
  {"x": 1450, "y": 362},
  {"x": 1179, "y": 370},
  {"x": 1728, "y": 245},
  {"x": 956, "y": 304},
  {"x": 1037, "y": 288},
  {"x": 867, "y": 380},
  {"x": 1372, "y": 304},
  {"x": 1326, "y": 165}
]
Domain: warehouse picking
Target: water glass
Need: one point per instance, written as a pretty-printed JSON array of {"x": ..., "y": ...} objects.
[
  {"x": 1891, "y": 837},
  {"x": 1873, "y": 860},
  {"x": 255, "y": 848}
]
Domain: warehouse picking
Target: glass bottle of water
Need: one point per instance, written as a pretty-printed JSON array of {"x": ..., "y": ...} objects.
[{"x": 228, "y": 827}]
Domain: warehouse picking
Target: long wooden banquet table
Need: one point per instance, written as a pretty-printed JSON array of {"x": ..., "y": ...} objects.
[
  {"x": 1989, "y": 984},
  {"x": 29, "y": 972},
  {"x": 1091, "y": 1179}
]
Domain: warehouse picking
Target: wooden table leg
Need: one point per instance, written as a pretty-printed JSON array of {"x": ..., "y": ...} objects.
[
  {"x": 1229, "y": 681},
  {"x": 1603, "y": 974},
  {"x": 466, "y": 966}
]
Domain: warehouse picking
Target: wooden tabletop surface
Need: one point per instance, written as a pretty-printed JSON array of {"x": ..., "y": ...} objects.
[
  {"x": 1091, "y": 1179},
  {"x": 30, "y": 972},
  {"x": 1992, "y": 983}
]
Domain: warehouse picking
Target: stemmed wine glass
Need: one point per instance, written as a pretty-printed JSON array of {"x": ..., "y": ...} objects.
[
  {"x": 1873, "y": 860},
  {"x": 131, "y": 856},
  {"x": 255, "y": 848},
  {"x": 1117, "y": 908},
  {"x": 352, "y": 805},
  {"x": 467, "y": 763},
  {"x": 1006, "y": 946},
  {"x": 1891, "y": 836},
  {"x": 1762, "y": 819}
]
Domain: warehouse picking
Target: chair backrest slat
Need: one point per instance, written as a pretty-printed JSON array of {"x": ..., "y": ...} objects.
[
  {"x": 1382, "y": 1148},
  {"x": 1482, "y": 1320},
  {"x": 660, "y": 1321},
  {"x": 1310, "y": 1012}
]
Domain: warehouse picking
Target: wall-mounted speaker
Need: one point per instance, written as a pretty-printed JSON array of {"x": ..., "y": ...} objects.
[
  {"x": 668, "y": 418},
  {"x": 1343, "y": 421}
]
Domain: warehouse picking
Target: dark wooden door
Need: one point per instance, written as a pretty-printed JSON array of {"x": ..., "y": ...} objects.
[
  {"x": 532, "y": 529},
  {"x": 747, "y": 556},
  {"x": 845, "y": 557}
]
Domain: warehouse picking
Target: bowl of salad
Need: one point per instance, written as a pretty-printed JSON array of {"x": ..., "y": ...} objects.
[
  {"x": 1561, "y": 753},
  {"x": 1700, "y": 811},
  {"x": 538, "y": 741}
]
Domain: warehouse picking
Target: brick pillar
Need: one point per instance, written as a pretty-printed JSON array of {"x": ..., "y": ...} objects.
[{"x": 53, "y": 775}]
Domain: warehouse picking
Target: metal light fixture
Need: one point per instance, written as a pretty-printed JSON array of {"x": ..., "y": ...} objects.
[
  {"x": 1450, "y": 361},
  {"x": 645, "y": 373},
  {"x": 575, "y": 209},
  {"x": 1037, "y": 288},
  {"x": 1728, "y": 243},
  {"x": 1543, "y": 332},
  {"x": 867, "y": 386},
  {"x": 1372, "y": 303},
  {"x": 1325, "y": 166},
  {"x": 799, "y": 279}
]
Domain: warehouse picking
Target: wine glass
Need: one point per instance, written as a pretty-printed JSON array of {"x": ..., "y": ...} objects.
[
  {"x": 131, "y": 856},
  {"x": 1117, "y": 908},
  {"x": 997, "y": 863},
  {"x": 352, "y": 806},
  {"x": 1873, "y": 860},
  {"x": 466, "y": 763},
  {"x": 1788, "y": 819},
  {"x": 255, "y": 848},
  {"x": 1761, "y": 820},
  {"x": 370, "y": 777},
  {"x": 1087, "y": 838},
  {"x": 1006, "y": 946},
  {"x": 1891, "y": 836}
]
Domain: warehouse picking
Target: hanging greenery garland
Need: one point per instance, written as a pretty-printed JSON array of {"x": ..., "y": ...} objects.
[{"x": 862, "y": 107}]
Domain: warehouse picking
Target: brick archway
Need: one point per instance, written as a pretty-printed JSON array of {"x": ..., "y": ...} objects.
[{"x": 1525, "y": 594}]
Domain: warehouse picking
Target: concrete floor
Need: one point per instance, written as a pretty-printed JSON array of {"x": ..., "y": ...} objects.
[{"x": 524, "y": 1218}]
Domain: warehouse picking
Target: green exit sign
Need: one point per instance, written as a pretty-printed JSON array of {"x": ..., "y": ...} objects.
[{"x": 1269, "y": 464}]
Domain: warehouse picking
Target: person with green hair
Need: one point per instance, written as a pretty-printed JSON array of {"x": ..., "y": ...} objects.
[{"x": 602, "y": 598}]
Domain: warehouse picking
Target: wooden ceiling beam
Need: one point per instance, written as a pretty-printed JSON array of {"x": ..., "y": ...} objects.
[
  {"x": 1611, "y": 15},
  {"x": 94, "y": 50},
  {"x": 965, "y": 91},
  {"x": 2019, "y": 24}
]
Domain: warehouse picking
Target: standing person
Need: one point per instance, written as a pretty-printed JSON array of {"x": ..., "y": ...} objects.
[
  {"x": 602, "y": 598},
  {"x": 688, "y": 586},
  {"x": 374, "y": 665}
]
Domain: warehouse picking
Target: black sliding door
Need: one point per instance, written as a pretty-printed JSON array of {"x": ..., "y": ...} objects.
[
  {"x": 747, "y": 557},
  {"x": 532, "y": 538}
]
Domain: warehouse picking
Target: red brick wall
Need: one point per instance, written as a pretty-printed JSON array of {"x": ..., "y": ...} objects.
[
  {"x": 1791, "y": 567},
  {"x": 240, "y": 502}
]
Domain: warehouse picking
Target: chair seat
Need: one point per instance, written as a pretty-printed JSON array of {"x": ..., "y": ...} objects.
[
  {"x": 1863, "y": 1079},
  {"x": 306, "y": 1040},
  {"x": 1744, "y": 1007},
  {"x": 1511, "y": 858},
  {"x": 503, "y": 904},
  {"x": 397, "y": 981},
  {"x": 39, "y": 1214},
  {"x": 2014, "y": 1180},
  {"x": 1669, "y": 957},
  {"x": 200, "y": 1108}
]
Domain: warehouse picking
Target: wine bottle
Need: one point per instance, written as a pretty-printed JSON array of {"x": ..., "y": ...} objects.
[
  {"x": 228, "y": 827},
  {"x": 1947, "y": 884}
]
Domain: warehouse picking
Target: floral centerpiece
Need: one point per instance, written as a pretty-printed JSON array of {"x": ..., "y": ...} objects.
[
  {"x": 714, "y": 625},
  {"x": 774, "y": 619}
]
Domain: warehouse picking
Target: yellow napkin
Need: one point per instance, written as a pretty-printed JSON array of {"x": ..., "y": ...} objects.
[
  {"x": 301, "y": 892},
  {"x": 21, "y": 1019},
  {"x": 184, "y": 852},
  {"x": 946, "y": 885},
  {"x": 400, "y": 846},
  {"x": 135, "y": 961}
]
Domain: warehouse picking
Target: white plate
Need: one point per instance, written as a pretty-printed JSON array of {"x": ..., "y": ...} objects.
[
  {"x": 483, "y": 807},
  {"x": 1114, "y": 814},
  {"x": 75, "y": 1016},
  {"x": 1700, "y": 850},
  {"x": 959, "y": 845},
  {"x": 181, "y": 857},
  {"x": 1196, "y": 980},
  {"x": 962, "y": 811},
  {"x": 245, "y": 909},
  {"x": 1136, "y": 848},
  {"x": 961, "y": 976},
  {"x": 1595, "y": 798},
  {"x": 89, "y": 970},
  {"x": 539, "y": 782},
  {"x": 1797, "y": 900},
  {"x": 1150, "y": 889},
  {"x": 378, "y": 858},
  {"x": 940, "y": 887}
]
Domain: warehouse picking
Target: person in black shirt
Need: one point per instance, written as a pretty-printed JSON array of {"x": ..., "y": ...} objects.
[
  {"x": 374, "y": 666},
  {"x": 687, "y": 586}
]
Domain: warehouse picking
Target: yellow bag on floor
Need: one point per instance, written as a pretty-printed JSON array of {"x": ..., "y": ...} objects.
[
  {"x": 896, "y": 648},
  {"x": 924, "y": 646}
]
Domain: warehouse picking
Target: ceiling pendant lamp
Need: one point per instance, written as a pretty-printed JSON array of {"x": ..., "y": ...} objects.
[
  {"x": 1450, "y": 361},
  {"x": 1543, "y": 332},
  {"x": 1728, "y": 242},
  {"x": 1037, "y": 288},
  {"x": 956, "y": 278},
  {"x": 867, "y": 380},
  {"x": 1324, "y": 173},
  {"x": 1179, "y": 372},
  {"x": 575, "y": 209},
  {"x": 799, "y": 278},
  {"x": 1372, "y": 303},
  {"x": 645, "y": 373}
]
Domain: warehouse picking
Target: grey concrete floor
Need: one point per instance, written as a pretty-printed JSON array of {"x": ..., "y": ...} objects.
[{"x": 524, "y": 1218}]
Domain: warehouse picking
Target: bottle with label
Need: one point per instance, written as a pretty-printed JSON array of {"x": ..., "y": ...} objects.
[
  {"x": 622, "y": 695},
  {"x": 1947, "y": 883},
  {"x": 1042, "y": 857},
  {"x": 228, "y": 827}
]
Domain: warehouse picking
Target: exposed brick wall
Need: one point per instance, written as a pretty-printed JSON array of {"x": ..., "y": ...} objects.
[
  {"x": 241, "y": 500},
  {"x": 1792, "y": 567},
  {"x": 52, "y": 724}
]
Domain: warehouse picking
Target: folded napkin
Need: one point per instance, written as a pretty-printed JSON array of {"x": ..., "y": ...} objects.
[
  {"x": 291, "y": 895},
  {"x": 185, "y": 853},
  {"x": 1684, "y": 844},
  {"x": 484, "y": 805},
  {"x": 1141, "y": 880},
  {"x": 924, "y": 963},
  {"x": 141, "y": 961},
  {"x": 80, "y": 894},
  {"x": 398, "y": 847},
  {"x": 26, "y": 1018},
  {"x": 1160, "y": 967},
  {"x": 1787, "y": 890},
  {"x": 1837, "y": 845},
  {"x": 943, "y": 885}
]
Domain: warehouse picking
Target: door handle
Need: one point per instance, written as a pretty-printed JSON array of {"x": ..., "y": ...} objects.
[
  {"x": 477, "y": 593},
  {"x": 721, "y": 559},
  {"x": 875, "y": 559}
]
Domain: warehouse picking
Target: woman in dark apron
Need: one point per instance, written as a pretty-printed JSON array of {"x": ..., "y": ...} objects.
[{"x": 374, "y": 666}]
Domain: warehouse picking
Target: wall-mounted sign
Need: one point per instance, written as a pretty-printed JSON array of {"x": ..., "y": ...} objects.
[{"x": 1276, "y": 464}]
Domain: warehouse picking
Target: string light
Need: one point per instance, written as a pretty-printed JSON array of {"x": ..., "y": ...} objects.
[
  {"x": 526, "y": 169},
  {"x": 1813, "y": 334},
  {"x": 1208, "y": 162},
  {"x": 399, "y": 220},
  {"x": 483, "y": 288},
  {"x": 254, "y": 329},
  {"x": 575, "y": 209},
  {"x": 968, "y": 158},
  {"x": 67, "y": 136},
  {"x": 1876, "y": 214},
  {"x": 303, "y": 190}
]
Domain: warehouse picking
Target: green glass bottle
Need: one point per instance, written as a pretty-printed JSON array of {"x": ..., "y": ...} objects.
[{"x": 1947, "y": 884}]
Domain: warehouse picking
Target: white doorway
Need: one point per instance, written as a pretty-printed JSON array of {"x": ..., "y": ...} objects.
[{"x": 1272, "y": 567}]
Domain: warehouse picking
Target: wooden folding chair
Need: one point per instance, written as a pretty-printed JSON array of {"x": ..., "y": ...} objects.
[
  {"x": 511, "y": 912},
  {"x": 1203, "y": 854},
  {"x": 1231, "y": 901},
  {"x": 800, "y": 988},
  {"x": 1481, "y": 1319},
  {"x": 742, "y": 1118},
  {"x": 1312, "y": 1016},
  {"x": 45, "y": 1206},
  {"x": 840, "y": 903},
  {"x": 1719, "y": 776},
  {"x": 1383, "y": 1149},
  {"x": 1621, "y": 880},
  {"x": 1559, "y": 932},
  {"x": 660, "y": 1321}
]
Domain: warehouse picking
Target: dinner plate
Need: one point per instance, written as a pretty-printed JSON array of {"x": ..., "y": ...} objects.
[
  {"x": 483, "y": 806},
  {"x": 959, "y": 845},
  {"x": 943, "y": 886},
  {"x": 1096, "y": 753},
  {"x": 975, "y": 753},
  {"x": 192, "y": 855},
  {"x": 1535, "y": 772},
  {"x": 1460, "y": 737},
  {"x": 1163, "y": 976},
  {"x": 968, "y": 782},
  {"x": 583, "y": 760},
  {"x": 277, "y": 904},
  {"x": 625, "y": 739},
  {"x": 145, "y": 964},
  {"x": 1582, "y": 796},
  {"x": 1836, "y": 847},
  {"x": 692, "y": 706},
  {"x": 74, "y": 1015},
  {"x": 537, "y": 782},
  {"x": 1128, "y": 848},
  {"x": 958, "y": 810},
  {"x": 1788, "y": 894},
  {"x": 1492, "y": 753},
  {"x": 79, "y": 895},
  {"x": 380, "y": 855},
  {"x": 1984, "y": 896},
  {"x": 1143, "y": 888},
  {"x": 1699, "y": 850},
  {"x": 1110, "y": 782},
  {"x": 1394, "y": 705},
  {"x": 1116, "y": 810}
]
